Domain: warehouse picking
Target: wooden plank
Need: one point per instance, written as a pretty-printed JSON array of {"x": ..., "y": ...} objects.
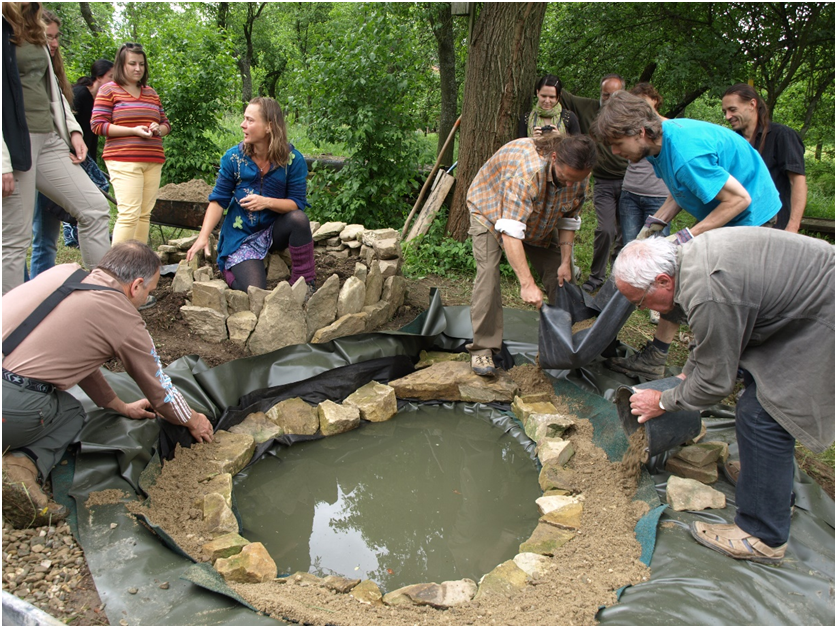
[
  {"x": 437, "y": 196},
  {"x": 820, "y": 225}
]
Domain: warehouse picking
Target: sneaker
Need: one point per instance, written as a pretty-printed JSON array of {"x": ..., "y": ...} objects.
[
  {"x": 732, "y": 541},
  {"x": 483, "y": 365},
  {"x": 653, "y": 317},
  {"x": 151, "y": 301},
  {"x": 650, "y": 363},
  {"x": 25, "y": 504},
  {"x": 589, "y": 287}
]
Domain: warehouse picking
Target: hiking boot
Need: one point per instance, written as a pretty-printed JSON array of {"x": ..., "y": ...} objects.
[
  {"x": 650, "y": 363},
  {"x": 483, "y": 365},
  {"x": 25, "y": 504},
  {"x": 729, "y": 539}
]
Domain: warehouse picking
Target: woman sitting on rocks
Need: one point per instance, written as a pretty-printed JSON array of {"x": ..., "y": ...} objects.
[{"x": 262, "y": 184}]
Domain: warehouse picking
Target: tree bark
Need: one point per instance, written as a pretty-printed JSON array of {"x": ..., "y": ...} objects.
[
  {"x": 442, "y": 23},
  {"x": 502, "y": 62},
  {"x": 87, "y": 14},
  {"x": 687, "y": 100}
]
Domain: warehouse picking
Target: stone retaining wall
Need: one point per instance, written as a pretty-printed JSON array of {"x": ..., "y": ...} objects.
[{"x": 266, "y": 320}]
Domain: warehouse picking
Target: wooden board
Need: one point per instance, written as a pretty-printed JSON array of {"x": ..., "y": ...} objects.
[{"x": 444, "y": 182}]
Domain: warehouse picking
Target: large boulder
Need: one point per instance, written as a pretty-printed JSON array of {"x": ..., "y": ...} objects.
[{"x": 281, "y": 323}]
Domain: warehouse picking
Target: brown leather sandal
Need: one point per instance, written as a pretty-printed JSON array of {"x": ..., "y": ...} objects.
[{"x": 732, "y": 541}]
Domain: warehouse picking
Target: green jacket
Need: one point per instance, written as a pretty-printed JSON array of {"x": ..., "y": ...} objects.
[{"x": 608, "y": 165}]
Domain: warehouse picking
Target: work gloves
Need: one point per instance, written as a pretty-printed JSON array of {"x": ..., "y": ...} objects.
[
  {"x": 652, "y": 226},
  {"x": 681, "y": 237}
]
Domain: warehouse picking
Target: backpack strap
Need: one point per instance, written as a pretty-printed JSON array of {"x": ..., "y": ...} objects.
[{"x": 70, "y": 285}]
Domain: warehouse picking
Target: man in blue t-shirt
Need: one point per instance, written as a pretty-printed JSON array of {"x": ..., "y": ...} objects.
[{"x": 711, "y": 172}]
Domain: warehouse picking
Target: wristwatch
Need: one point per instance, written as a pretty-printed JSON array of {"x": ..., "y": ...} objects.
[{"x": 662, "y": 407}]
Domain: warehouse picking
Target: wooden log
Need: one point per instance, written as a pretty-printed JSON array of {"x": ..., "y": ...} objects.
[{"x": 444, "y": 182}]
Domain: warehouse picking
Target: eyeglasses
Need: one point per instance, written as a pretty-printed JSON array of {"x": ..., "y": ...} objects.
[
  {"x": 134, "y": 47},
  {"x": 54, "y": 37},
  {"x": 644, "y": 294}
]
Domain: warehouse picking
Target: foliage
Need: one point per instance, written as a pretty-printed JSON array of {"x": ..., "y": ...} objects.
[{"x": 361, "y": 97}]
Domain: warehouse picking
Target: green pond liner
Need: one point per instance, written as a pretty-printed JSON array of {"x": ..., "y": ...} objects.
[{"x": 689, "y": 584}]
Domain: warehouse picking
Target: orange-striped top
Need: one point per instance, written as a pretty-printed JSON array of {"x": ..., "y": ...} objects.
[{"x": 114, "y": 105}]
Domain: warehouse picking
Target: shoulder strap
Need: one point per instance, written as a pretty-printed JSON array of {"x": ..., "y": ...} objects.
[{"x": 71, "y": 284}]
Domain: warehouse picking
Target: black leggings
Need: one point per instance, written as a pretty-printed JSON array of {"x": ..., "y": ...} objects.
[{"x": 290, "y": 229}]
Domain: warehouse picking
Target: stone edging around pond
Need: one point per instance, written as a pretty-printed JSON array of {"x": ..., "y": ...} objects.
[
  {"x": 264, "y": 320},
  {"x": 561, "y": 506}
]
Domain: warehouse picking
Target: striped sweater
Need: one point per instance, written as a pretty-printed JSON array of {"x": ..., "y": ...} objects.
[{"x": 114, "y": 105}]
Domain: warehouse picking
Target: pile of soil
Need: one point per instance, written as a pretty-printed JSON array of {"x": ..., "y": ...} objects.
[{"x": 194, "y": 191}]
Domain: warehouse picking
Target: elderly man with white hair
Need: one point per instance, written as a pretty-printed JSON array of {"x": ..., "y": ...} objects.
[{"x": 760, "y": 301}]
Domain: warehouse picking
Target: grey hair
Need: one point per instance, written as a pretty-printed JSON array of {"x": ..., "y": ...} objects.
[
  {"x": 641, "y": 261},
  {"x": 130, "y": 260}
]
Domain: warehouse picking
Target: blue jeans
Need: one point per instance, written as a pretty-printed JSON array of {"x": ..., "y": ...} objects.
[
  {"x": 765, "y": 484},
  {"x": 45, "y": 228},
  {"x": 633, "y": 210}
]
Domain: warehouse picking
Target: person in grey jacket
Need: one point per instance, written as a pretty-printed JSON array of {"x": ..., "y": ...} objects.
[{"x": 760, "y": 301}]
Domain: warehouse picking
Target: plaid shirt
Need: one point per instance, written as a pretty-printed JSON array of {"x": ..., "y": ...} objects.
[{"x": 517, "y": 184}]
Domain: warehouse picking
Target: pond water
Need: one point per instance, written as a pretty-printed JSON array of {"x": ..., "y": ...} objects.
[{"x": 434, "y": 494}]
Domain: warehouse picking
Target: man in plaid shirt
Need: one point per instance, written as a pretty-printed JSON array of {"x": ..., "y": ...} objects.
[{"x": 525, "y": 201}]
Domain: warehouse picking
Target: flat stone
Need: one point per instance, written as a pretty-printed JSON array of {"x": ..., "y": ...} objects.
[
  {"x": 707, "y": 474},
  {"x": 183, "y": 278},
  {"x": 395, "y": 289},
  {"x": 300, "y": 291},
  {"x": 321, "y": 309},
  {"x": 376, "y": 402},
  {"x": 314, "y": 226},
  {"x": 505, "y": 580},
  {"x": 567, "y": 517},
  {"x": 522, "y": 408},
  {"x": 374, "y": 284},
  {"x": 340, "y": 254},
  {"x": 204, "y": 273},
  {"x": 259, "y": 427},
  {"x": 722, "y": 447},
  {"x": 240, "y": 325},
  {"x": 454, "y": 381},
  {"x": 354, "y": 247},
  {"x": 183, "y": 244},
  {"x": 352, "y": 232},
  {"x": 546, "y": 539},
  {"x": 305, "y": 579},
  {"x": 539, "y": 426},
  {"x": 167, "y": 248},
  {"x": 685, "y": 494},
  {"x": 429, "y": 358},
  {"x": 218, "y": 517},
  {"x": 206, "y": 322},
  {"x": 210, "y": 294},
  {"x": 252, "y": 565},
  {"x": 377, "y": 315},
  {"x": 295, "y": 416},
  {"x": 277, "y": 269},
  {"x": 362, "y": 272},
  {"x": 698, "y": 456},
  {"x": 328, "y": 230},
  {"x": 281, "y": 323},
  {"x": 387, "y": 248},
  {"x": 371, "y": 235},
  {"x": 336, "y": 418},
  {"x": 257, "y": 297},
  {"x": 554, "y": 477},
  {"x": 351, "y": 298},
  {"x": 220, "y": 484},
  {"x": 554, "y": 502},
  {"x": 367, "y": 592},
  {"x": 534, "y": 565},
  {"x": 348, "y": 325},
  {"x": 389, "y": 267},
  {"x": 237, "y": 301},
  {"x": 555, "y": 451},
  {"x": 340, "y": 584},
  {"x": 232, "y": 452},
  {"x": 225, "y": 546}
]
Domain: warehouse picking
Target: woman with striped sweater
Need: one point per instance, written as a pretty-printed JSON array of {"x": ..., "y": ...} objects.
[{"x": 130, "y": 116}]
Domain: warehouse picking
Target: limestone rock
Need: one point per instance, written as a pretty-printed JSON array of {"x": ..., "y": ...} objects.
[
  {"x": 521, "y": 407},
  {"x": 237, "y": 301},
  {"x": 167, "y": 248},
  {"x": 707, "y": 474},
  {"x": 371, "y": 235},
  {"x": 281, "y": 323},
  {"x": 722, "y": 447},
  {"x": 348, "y": 325},
  {"x": 295, "y": 416},
  {"x": 546, "y": 539},
  {"x": 698, "y": 455},
  {"x": 329, "y": 230},
  {"x": 362, "y": 272},
  {"x": 225, "y": 546},
  {"x": 240, "y": 325},
  {"x": 555, "y": 451},
  {"x": 534, "y": 565},
  {"x": 387, "y": 248},
  {"x": 184, "y": 244},
  {"x": 351, "y": 298},
  {"x": 686, "y": 494},
  {"x": 314, "y": 226},
  {"x": 457, "y": 592},
  {"x": 335, "y": 242},
  {"x": 218, "y": 517},
  {"x": 258, "y": 426},
  {"x": 377, "y": 315},
  {"x": 277, "y": 269},
  {"x": 340, "y": 584},
  {"x": 305, "y": 579},
  {"x": 374, "y": 284},
  {"x": 429, "y": 358},
  {"x": 220, "y": 484},
  {"x": 445, "y": 595},
  {"x": 341, "y": 254},
  {"x": 376, "y": 402},
  {"x": 252, "y": 565},
  {"x": 257, "y": 297},
  {"x": 554, "y": 477},
  {"x": 395, "y": 288},
  {"x": 539, "y": 426},
  {"x": 567, "y": 516},
  {"x": 210, "y": 294},
  {"x": 454, "y": 381},
  {"x": 204, "y": 273},
  {"x": 367, "y": 592},
  {"x": 321, "y": 309},
  {"x": 336, "y": 418},
  {"x": 389, "y": 267},
  {"x": 300, "y": 290},
  {"x": 232, "y": 452},
  {"x": 183, "y": 278},
  {"x": 206, "y": 322},
  {"x": 351, "y": 232},
  {"x": 554, "y": 502},
  {"x": 505, "y": 580}
]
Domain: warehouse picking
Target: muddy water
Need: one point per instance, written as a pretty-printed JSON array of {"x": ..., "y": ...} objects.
[{"x": 431, "y": 495}]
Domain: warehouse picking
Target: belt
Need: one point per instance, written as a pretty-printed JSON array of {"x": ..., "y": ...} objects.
[{"x": 27, "y": 382}]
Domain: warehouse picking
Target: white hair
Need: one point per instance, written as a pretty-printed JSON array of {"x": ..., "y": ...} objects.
[{"x": 641, "y": 261}]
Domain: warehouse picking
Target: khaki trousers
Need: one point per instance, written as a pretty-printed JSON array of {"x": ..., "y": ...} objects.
[
  {"x": 486, "y": 299},
  {"x": 135, "y": 185},
  {"x": 64, "y": 182}
]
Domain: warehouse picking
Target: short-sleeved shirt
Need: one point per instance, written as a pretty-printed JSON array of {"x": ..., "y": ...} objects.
[
  {"x": 517, "y": 184},
  {"x": 641, "y": 180},
  {"x": 238, "y": 177},
  {"x": 783, "y": 153},
  {"x": 697, "y": 159}
]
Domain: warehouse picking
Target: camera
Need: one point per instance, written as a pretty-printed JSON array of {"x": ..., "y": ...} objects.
[{"x": 547, "y": 128}]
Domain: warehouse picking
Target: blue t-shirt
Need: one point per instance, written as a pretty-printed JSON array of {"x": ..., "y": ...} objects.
[
  {"x": 697, "y": 159},
  {"x": 238, "y": 177}
]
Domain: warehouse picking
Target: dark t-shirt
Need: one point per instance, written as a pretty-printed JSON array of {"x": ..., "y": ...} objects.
[
  {"x": 570, "y": 123},
  {"x": 608, "y": 165},
  {"x": 783, "y": 153},
  {"x": 83, "y": 106}
]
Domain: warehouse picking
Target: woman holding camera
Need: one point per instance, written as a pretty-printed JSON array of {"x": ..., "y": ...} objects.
[
  {"x": 548, "y": 114},
  {"x": 262, "y": 184}
]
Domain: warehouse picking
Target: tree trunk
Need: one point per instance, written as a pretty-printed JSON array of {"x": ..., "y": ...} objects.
[
  {"x": 688, "y": 99},
  {"x": 87, "y": 14},
  {"x": 818, "y": 151},
  {"x": 442, "y": 23},
  {"x": 222, "y": 16},
  {"x": 502, "y": 62}
]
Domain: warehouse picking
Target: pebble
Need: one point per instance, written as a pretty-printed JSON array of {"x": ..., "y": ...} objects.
[
  {"x": 113, "y": 525},
  {"x": 133, "y": 590},
  {"x": 164, "y": 585}
]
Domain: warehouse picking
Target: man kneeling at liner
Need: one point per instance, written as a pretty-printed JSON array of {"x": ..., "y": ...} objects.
[
  {"x": 760, "y": 301},
  {"x": 58, "y": 330}
]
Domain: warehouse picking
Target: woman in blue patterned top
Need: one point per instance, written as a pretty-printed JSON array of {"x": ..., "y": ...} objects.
[{"x": 262, "y": 185}]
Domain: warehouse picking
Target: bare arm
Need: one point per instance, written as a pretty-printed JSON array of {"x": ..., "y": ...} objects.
[
  {"x": 668, "y": 210},
  {"x": 256, "y": 203},
  {"x": 515, "y": 253},
  {"x": 732, "y": 200},
  {"x": 565, "y": 241},
  {"x": 213, "y": 214},
  {"x": 799, "y": 198}
]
